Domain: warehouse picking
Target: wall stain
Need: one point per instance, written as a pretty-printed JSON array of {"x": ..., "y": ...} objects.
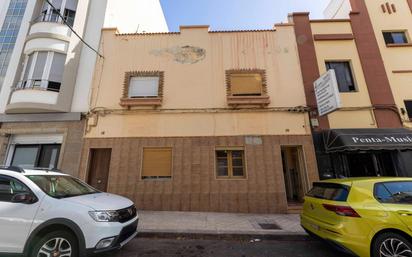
[{"x": 182, "y": 54}]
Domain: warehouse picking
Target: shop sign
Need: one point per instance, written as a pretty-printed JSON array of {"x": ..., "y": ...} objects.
[
  {"x": 382, "y": 140},
  {"x": 327, "y": 93}
]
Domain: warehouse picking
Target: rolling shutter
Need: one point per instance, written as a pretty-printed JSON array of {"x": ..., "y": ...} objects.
[
  {"x": 157, "y": 162},
  {"x": 144, "y": 87},
  {"x": 246, "y": 84}
]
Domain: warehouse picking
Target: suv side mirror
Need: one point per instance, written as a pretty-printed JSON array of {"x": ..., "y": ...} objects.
[{"x": 24, "y": 198}]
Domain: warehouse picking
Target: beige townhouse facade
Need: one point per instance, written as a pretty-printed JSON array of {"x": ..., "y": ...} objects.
[
  {"x": 367, "y": 43},
  {"x": 200, "y": 120}
]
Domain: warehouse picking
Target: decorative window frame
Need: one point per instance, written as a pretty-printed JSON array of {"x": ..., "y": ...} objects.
[
  {"x": 234, "y": 101},
  {"x": 127, "y": 102}
]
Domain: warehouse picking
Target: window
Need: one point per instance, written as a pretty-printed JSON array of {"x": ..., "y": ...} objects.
[
  {"x": 246, "y": 84},
  {"x": 143, "y": 87},
  {"x": 394, "y": 192},
  {"x": 329, "y": 191},
  {"x": 344, "y": 75},
  {"x": 44, "y": 156},
  {"x": 66, "y": 8},
  {"x": 61, "y": 186},
  {"x": 246, "y": 87},
  {"x": 9, "y": 188},
  {"x": 230, "y": 164},
  {"x": 39, "y": 66},
  {"x": 408, "y": 105},
  {"x": 9, "y": 32},
  {"x": 395, "y": 37},
  {"x": 43, "y": 70},
  {"x": 69, "y": 16},
  {"x": 157, "y": 163},
  {"x": 56, "y": 72}
]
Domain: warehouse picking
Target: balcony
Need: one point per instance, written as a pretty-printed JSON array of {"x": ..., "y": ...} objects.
[
  {"x": 55, "y": 18},
  {"x": 33, "y": 96},
  {"x": 48, "y": 32},
  {"x": 44, "y": 85}
]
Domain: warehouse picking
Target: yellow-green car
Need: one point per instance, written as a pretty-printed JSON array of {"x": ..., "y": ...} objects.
[{"x": 367, "y": 217}]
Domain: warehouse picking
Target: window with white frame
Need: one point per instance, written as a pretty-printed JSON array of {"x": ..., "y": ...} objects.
[
  {"x": 43, "y": 70},
  {"x": 142, "y": 87},
  {"x": 64, "y": 8},
  {"x": 41, "y": 150}
]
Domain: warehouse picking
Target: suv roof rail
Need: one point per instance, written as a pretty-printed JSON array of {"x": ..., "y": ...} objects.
[
  {"x": 47, "y": 169},
  {"x": 12, "y": 168}
]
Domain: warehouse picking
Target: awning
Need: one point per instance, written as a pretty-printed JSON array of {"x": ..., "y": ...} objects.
[{"x": 340, "y": 140}]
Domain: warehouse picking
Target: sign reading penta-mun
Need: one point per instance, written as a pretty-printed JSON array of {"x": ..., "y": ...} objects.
[{"x": 327, "y": 93}]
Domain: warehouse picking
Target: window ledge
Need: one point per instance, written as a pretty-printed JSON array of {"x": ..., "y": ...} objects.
[
  {"x": 130, "y": 102},
  {"x": 248, "y": 100},
  {"x": 399, "y": 45}
]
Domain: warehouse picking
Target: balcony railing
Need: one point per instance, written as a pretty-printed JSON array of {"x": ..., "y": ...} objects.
[
  {"x": 55, "y": 18},
  {"x": 38, "y": 84}
]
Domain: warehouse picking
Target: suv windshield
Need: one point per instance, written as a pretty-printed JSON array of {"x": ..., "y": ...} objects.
[{"x": 61, "y": 186}]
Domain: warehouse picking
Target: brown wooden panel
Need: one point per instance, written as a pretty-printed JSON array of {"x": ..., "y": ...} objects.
[
  {"x": 99, "y": 168},
  {"x": 157, "y": 162},
  {"x": 246, "y": 84}
]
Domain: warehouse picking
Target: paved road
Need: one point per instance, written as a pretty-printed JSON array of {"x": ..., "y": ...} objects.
[{"x": 150, "y": 247}]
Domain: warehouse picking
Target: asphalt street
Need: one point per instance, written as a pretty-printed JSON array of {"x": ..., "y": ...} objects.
[{"x": 152, "y": 247}]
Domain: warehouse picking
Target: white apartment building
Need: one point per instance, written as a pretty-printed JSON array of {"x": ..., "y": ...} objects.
[{"x": 46, "y": 72}]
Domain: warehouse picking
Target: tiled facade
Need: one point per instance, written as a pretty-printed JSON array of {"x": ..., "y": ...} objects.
[{"x": 193, "y": 186}]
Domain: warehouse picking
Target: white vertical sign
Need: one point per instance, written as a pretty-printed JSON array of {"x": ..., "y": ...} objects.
[{"x": 327, "y": 93}]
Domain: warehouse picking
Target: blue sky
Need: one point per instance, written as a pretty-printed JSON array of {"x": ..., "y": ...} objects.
[{"x": 236, "y": 14}]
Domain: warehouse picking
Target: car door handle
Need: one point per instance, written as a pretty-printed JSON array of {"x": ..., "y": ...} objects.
[{"x": 404, "y": 213}]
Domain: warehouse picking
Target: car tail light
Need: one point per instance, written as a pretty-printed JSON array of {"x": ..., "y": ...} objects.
[{"x": 342, "y": 210}]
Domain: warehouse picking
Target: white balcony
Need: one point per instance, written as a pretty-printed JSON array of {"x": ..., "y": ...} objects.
[
  {"x": 34, "y": 96},
  {"x": 50, "y": 24},
  {"x": 48, "y": 33}
]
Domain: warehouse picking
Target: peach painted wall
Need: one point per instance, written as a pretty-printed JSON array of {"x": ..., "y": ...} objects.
[
  {"x": 395, "y": 58},
  {"x": 356, "y": 111},
  {"x": 194, "y": 99}
]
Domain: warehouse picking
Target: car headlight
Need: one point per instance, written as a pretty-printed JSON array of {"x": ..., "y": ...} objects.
[{"x": 104, "y": 216}]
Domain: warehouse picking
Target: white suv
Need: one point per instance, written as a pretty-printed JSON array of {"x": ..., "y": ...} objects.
[{"x": 50, "y": 214}]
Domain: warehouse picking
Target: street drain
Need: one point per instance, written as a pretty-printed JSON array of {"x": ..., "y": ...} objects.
[{"x": 270, "y": 226}]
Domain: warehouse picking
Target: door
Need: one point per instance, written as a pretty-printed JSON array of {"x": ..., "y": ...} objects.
[
  {"x": 15, "y": 218},
  {"x": 99, "y": 166},
  {"x": 293, "y": 173}
]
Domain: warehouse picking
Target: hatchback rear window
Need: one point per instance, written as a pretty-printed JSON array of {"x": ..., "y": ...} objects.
[{"x": 329, "y": 191}]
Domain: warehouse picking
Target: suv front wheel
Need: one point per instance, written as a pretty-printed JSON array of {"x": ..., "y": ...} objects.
[
  {"x": 391, "y": 244},
  {"x": 56, "y": 244}
]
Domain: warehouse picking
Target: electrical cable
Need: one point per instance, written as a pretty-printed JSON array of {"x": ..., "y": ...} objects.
[{"x": 71, "y": 28}]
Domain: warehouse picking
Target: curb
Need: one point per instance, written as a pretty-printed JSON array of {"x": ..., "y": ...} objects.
[{"x": 224, "y": 235}]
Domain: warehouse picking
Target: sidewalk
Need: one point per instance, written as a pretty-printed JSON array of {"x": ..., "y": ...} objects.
[{"x": 205, "y": 224}]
